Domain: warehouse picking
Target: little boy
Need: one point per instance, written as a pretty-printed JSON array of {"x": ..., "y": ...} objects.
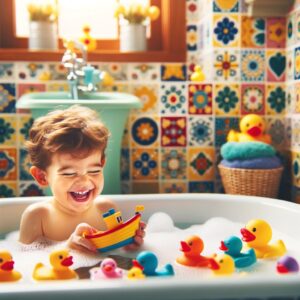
[{"x": 67, "y": 152}]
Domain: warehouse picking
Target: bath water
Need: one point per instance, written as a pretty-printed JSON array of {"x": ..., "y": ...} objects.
[{"x": 163, "y": 238}]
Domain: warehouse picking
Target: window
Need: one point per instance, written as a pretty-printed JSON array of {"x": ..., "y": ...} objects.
[{"x": 166, "y": 41}]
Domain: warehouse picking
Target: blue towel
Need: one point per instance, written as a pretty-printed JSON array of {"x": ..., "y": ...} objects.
[{"x": 254, "y": 163}]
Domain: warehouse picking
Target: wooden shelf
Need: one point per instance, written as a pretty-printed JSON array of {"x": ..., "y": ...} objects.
[{"x": 103, "y": 56}]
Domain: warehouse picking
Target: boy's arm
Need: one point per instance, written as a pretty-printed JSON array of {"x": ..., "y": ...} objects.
[{"x": 31, "y": 224}]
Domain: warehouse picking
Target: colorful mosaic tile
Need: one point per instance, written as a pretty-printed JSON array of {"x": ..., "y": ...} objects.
[
  {"x": 225, "y": 5},
  {"x": 201, "y": 164},
  {"x": 30, "y": 189},
  {"x": 173, "y": 163},
  {"x": 192, "y": 60},
  {"x": 8, "y": 189},
  {"x": 144, "y": 164},
  {"x": 276, "y": 32},
  {"x": 297, "y": 98},
  {"x": 226, "y": 99},
  {"x": 147, "y": 72},
  {"x": 297, "y": 26},
  {"x": 57, "y": 71},
  {"x": 7, "y": 98},
  {"x": 173, "y": 72},
  {"x": 290, "y": 65},
  {"x": 253, "y": 32},
  {"x": 291, "y": 29},
  {"x": 205, "y": 7},
  {"x": 295, "y": 134},
  {"x": 126, "y": 136},
  {"x": 25, "y": 88},
  {"x": 117, "y": 87},
  {"x": 8, "y": 125},
  {"x": 200, "y": 131},
  {"x": 125, "y": 164},
  {"x": 148, "y": 94},
  {"x": 226, "y": 31},
  {"x": 275, "y": 99},
  {"x": 30, "y": 71},
  {"x": 7, "y": 72},
  {"x": 173, "y": 132},
  {"x": 8, "y": 161},
  {"x": 173, "y": 187},
  {"x": 296, "y": 168},
  {"x": 226, "y": 65},
  {"x": 222, "y": 127},
  {"x": 192, "y": 11},
  {"x": 200, "y": 99},
  {"x": 24, "y": 165},
  {"x": 276, "y": 128},
  {"x": 116, "y": 70},
  {"x": 297, "y": 63},
  {"x": 290, "y": 98},
  {"x": 145, "y": 187},
  {"x": 144, "y": 131},
  {"x": 253, "y": 65},
  {"x": 57, "y": 87},
  {"x": 253, "y": 99},
  {"x": 276, "y": 65},
  {"x": 201, "y": 187},
  {"x": 173, "y": 99},
  {"x": 191, "y": 37},
  {"x": 24, "y": 124}
]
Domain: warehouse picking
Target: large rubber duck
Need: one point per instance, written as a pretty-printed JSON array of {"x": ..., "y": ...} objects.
[
  {"x": 287, "y": 264},
  {"x": 135, "y": 273},
  {"x": 7, "y": 272},
  {"x": 87, "y": 39},
  {"x": 60, "y": 261},
  {"x": 148, "y": 262},
  {"x": 257, "y": 234},
  {"x": 222, "y": 264},
  {"x": 233, "y": 247},
  {"x": 252, "y": 130},
  {"x": 108, "y": 269},
  {"x": 192, "y": 248}
]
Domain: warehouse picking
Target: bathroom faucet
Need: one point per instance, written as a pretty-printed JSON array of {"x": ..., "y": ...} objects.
[{"x": 81, "y": 76}]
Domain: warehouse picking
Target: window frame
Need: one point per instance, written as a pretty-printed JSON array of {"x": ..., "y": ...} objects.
[{"x": 166, "y": 44}]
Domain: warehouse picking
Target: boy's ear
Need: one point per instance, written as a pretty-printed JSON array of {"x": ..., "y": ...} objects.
[
  {"x": 39, "y": 175},
  {"x": 103, "y": 162}
]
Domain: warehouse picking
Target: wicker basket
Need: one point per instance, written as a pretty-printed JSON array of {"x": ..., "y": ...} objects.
[{"x": 253, "y": 182}]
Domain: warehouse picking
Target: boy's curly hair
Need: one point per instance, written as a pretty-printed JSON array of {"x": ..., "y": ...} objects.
[{"x": 76, "y": 130}]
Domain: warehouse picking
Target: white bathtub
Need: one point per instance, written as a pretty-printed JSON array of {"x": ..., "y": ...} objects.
[{"x": 184, "y": 209}]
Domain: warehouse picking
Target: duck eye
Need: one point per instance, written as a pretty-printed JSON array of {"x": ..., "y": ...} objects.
[
  {"x": 1, "y": 260},
  {"x": 190, "y": 243},
  {"x": 60, "y": 257},
  {"x": 221, "y": 261},
  {"x": 254, "y": 229},
  {"x": 247, "y": 125},
  {"x": 259, "y": 125}
]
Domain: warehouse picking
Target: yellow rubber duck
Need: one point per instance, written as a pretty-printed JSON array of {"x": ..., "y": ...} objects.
[
  {"x": 222, "y": 264},
  {"x": 135, "y": 273},
  {"x": 87, "y": 39},
  {"x": 252, "y": 129},
  {"x": 257, "y": 234},
  {"x": 60, "y": 261},
  {"x": 198, "y": 74},
  {"x": 7, "y": 272}
]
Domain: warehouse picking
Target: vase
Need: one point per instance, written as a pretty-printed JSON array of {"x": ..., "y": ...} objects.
[
  {"x": 42, "y": 35},
  {"x": 133, "y": 38}
]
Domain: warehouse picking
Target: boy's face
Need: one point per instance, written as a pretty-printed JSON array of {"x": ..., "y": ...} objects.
[{"x": 75, "y": 181}]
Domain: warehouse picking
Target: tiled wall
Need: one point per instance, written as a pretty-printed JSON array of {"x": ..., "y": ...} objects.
[{"x": 172, "y": 144}]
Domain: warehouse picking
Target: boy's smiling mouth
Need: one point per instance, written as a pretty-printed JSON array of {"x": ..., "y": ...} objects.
[{"x": 81, "y": 196}]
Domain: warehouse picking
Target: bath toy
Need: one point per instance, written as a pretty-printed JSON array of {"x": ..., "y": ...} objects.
[
  {"x": 7, "y": 272},
  {"x": 192, "y": 248},
  {"x": 198, "y": 74},
  {"x": 135, "y": 273},
  {"x": 87, "y": 39},
  {"x": 257, "y": 234},
  {"x": 119, "y": 233},
  {"x": 148, "y": 262},
  {"x": 108, "y": 269},
  {"x": 252, "y": 129},
  {"x": 60, "y": 261},
  {"x": 287, "y": 264},
  {"x": 233, "y": 246},
  {"x": 222, "y": 264}
]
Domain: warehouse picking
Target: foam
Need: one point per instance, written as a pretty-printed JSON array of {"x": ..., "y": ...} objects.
[{"x": 162, "y": 237}]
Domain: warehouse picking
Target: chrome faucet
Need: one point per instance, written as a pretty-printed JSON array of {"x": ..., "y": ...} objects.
[{"x": 81, "y": 76}]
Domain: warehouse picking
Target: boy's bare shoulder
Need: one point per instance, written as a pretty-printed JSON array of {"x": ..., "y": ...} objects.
[
  {"x": 38, "y": 209},
  {"x": 104, "y": 204}
]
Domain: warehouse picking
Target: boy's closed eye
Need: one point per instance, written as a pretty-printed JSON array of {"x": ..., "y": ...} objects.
[{"x": 73, "y": 174}]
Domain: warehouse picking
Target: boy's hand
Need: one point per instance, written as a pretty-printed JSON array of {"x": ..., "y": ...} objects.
[
  {"x": 138, "y": 238},
  {"x": 78, "y": 241}
]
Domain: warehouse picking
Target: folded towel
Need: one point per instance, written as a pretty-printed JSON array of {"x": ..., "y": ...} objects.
[{"x": 254, "y": 163}]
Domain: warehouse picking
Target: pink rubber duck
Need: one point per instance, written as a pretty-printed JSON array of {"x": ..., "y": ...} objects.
[{"x": 108, "y": 269}]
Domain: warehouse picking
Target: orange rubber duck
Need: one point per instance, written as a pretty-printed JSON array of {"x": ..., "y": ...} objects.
[
  {"x": 7, "y": 272},
  {"x": 252, "y": 130},
  {"x": 192, "y": 248}
]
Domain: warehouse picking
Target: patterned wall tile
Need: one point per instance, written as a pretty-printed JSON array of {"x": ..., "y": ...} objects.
[
  {"x": 173, "y": 72},
  {"x": 253, "y": 32},
  {"x": 192, "y": 10},
  {"x": 8, "y": 164},
  {"x": 253, "y": 99},
  {"x": 7, "y": 72},
  {"x": 25, "y": 122},
  {"x": 226, "y": 6},
  {"x": 173, "y": 99},
  {"x": 193, "y": 59},
  {"x": 7, "y": 98},
  {"x": 173, "y": 132},
  {"x": 276, "y": 32},
  {"x": 192, "y": 37},
  {"x": 125, "y": 164},
  {"x": 29, "y": 71},
  {"x": 253, "y": 65},
  {"x": 275, "y": 99},
  {"x": 297, "y": 98},
  {"x": 295, "y": 134},
  {"x": 173, "y": 187},
  {"x": 57, "y": 87},
  {"x": 291, "y": 29},
  {"x": 25, "y": 88},
  {"x": 290, "y": 98},
  {"x": 147, "y": 72},
  {"x": 145, "y": 187},
  {"x": 296, "y": 168},
  {"x": 297, "y": 28},
  {"x": 289, "y": 65},
  {"x": 297, "y": 63},
  {"x": 200, "y": 99},
  {"x": 276, "y": 65},
  {"x": 8, "y": 125},
  {"x": 276, "y": 128},
  {"x": 116, "y": 70},
  {"x": 116, "y": 87},
  {"x": 200, "y": 131},
  {"x": 148, "y": 94},
  {"x": 57, "y": 71},
  {"x": 201, "y": 187},
  {"x": 222, "y": 127},
  {"x": 24, "y": 166},
  {"x": 30, "y": 189},
  {"x": 8, "y": 189},
  {"x": 226, "y": 100}
]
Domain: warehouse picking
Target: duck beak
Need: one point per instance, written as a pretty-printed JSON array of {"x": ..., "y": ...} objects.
[
  {"x": 254, "y": 131},
  {"x": 223, "y": 246},
  {"x": 212, "y": 264},
  {"x": 247, "y": 235},
  {"x": 67, "y": 262},
  {"x": 185, "y": 247},
  {"x": 135, "y": 263},
  {"x": 281, "y": 269},
  {"x": 107, "y": 268},
  {"x": 8, "y": 265}
]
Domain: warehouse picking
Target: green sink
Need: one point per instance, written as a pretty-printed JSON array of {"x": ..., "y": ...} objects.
[{"x": 113, "y": 109}]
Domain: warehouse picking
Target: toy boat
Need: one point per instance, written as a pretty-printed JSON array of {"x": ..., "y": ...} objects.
[{"x": 118, "y": 234}]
